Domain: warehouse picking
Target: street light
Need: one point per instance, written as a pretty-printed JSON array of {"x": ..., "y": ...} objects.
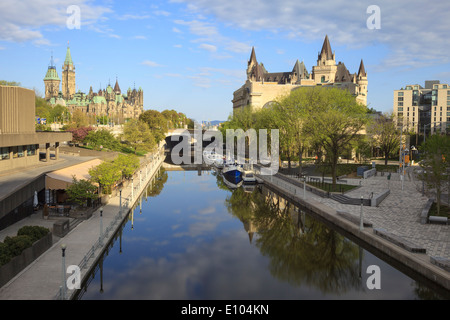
[
  {"x": 361, "y": 215},
  {"x": 101, "y": 226},
  {"x": 63, "y": 287}
]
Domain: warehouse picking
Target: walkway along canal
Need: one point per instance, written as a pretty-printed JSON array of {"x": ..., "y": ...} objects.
[
  {"x": 400, "y": 250},
  {"x": 111, "y": 217}
]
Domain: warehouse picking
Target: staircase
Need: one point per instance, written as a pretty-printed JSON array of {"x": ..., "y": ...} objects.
[{"x": 347, "y": 200}]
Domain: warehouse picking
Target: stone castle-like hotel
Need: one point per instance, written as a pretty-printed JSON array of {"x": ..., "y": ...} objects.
[
  {"x": 262, "y": 87},
  {"x": 107, "y": 102}
]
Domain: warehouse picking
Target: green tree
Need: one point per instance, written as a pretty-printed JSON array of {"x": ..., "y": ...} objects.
[
  {"x": 81, "y": 191},
  {"x": 137, "y": 134},
  {"x": 335, "y": 119},
  {"x": 385, "y": 134},
  {"x": 102, "y": 139},
  {"x": 127, "y": 164},
  {"x": 9, "y": 83},
  {"x": 157, "y": 123},
  {"x": 435, "y": 164},
  {"x": 106, "y": 175}
]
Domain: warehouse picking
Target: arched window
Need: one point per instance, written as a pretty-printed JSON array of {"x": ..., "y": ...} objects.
[{"x": 322, "y": 79}]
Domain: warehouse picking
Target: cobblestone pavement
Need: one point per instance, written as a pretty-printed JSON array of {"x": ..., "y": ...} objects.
[{"x": 399, "y": 213}]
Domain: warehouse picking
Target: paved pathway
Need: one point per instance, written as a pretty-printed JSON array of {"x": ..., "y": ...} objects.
[
  {"x": 399, "y": 213},
  {"x": 42, "y": 279}
]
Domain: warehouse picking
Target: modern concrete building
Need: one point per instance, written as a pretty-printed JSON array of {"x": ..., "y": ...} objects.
[
  {"x": 20, "y": 144},
  {"x": 20, "y": 147},
  {"x": 423, "y": 109},
  {"x": 263, "y": 87}
]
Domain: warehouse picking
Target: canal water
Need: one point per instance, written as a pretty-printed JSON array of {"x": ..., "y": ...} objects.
[{"x": 192, "y": 237}]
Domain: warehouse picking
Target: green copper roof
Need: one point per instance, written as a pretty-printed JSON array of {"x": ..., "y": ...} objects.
[
  {"x": 68, "y": 60},
  {"x": 52, "y": 74},
  {"x": 99, "y": 99}
]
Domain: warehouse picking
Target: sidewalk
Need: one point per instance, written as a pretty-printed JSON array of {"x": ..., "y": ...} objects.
[
  {"x": 42, "y": 279},
  {"x": 398, "y": 214}
]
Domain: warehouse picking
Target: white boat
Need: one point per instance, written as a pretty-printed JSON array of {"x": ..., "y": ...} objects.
[{"x": 248, "y": 177}]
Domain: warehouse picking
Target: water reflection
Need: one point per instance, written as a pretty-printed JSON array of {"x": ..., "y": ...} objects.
[
  {"x": 301, "y": 249},
  {"x": 198, "y": 239}
]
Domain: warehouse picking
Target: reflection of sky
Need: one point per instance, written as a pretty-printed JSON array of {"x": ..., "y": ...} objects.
[{"x": 185, "y": 245}]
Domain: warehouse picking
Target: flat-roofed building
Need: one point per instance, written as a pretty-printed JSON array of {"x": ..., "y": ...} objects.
[
  {"x": 423, "y": 109},
  {"x": 20, "y": 144}
]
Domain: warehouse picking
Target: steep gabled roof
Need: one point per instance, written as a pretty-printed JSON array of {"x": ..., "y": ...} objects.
[
  {"x": 116, "y": 87},
  {"x": 326, "y": 49},
  {"x": 362, "y": 70},
  {"x": 300, "y": 70},
  {"x": 342, "y": 73}
]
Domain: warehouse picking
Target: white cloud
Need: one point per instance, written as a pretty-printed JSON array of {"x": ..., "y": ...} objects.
[
  {"x": 415, "y": 32},
  {"x": 140, "y": 37},
  {"x": 176, "y": 30},
  {"x": 208, "y": 47},
  {"x": 133, "y": 17},
  {"x": 151, "y": 63},
  {"x": 22, "y": 20}
]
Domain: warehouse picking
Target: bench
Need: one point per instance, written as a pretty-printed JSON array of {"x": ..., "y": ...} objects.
[
  {"x": 399, "y": 241},
  {"x": 437, "y": 219}
]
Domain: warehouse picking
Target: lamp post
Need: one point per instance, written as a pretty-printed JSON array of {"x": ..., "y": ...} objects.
[
  {"x": 63, "y": 287},
  {"x": 101, "y": 227},
  {"x": 120, "y": 202},
  {"x": 304, "y": 187},
  {"x": 361, "y": 227},
  {"x": 132, "y": 189}
]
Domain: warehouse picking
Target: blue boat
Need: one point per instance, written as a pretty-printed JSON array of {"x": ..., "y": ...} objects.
[{"x": 233, "y": 172}]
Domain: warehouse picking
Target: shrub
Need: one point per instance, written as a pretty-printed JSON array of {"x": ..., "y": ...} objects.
[
  {"x": 5, "y": 255},
  {"x": 17, "y": 244},
  {"x": 34, "y": 232}
]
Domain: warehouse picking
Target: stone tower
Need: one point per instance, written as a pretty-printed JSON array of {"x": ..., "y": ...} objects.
[
  {"x": 68, "y": 77},
  {"x": 325, "y": 71},
  {"x": 361, "y": 80},
  {"x": 51, "y": 82}
]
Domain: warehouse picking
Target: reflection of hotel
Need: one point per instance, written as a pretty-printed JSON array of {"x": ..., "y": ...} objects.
[
  {"x": 20, "y": 144},
  {"x": 263, "y": 87}
]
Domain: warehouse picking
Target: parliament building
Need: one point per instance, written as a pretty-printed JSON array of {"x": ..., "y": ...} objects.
[{"x": 106, "y": 102}]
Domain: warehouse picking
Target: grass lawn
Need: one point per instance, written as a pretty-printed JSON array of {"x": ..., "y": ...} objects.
[
  {"x": 329, "y": 186},
  {"x": 444, "y": 211}
]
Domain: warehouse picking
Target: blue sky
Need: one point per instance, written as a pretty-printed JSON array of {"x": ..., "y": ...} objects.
[{"x": 191, "y": 55}]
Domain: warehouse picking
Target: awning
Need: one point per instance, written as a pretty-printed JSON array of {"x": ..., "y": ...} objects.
[{"x": 62, "y": 179}]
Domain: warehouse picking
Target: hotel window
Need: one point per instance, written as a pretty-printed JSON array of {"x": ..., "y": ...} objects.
[
  {"x": 400, "y": 94},
  {"x": 400, "y": 109},
  {"x": 400, "y": 104},
  {"x": 4, "y": 153},
  {"x": 400, "y": 98}
]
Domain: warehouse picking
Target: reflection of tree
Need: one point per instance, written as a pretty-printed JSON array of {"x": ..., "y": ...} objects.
[
  {"x": 425, "y": 293},
  {"x": 302, "y": 250},
  {"x": 219, "y": 180},
  {"x": 156, "y": 186}
]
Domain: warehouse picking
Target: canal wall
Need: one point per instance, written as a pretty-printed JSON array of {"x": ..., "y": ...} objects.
[{"x": 389, "y": 245}]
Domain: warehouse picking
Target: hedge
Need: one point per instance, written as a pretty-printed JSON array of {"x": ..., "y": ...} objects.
[{"x": 13, "y": 246}]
